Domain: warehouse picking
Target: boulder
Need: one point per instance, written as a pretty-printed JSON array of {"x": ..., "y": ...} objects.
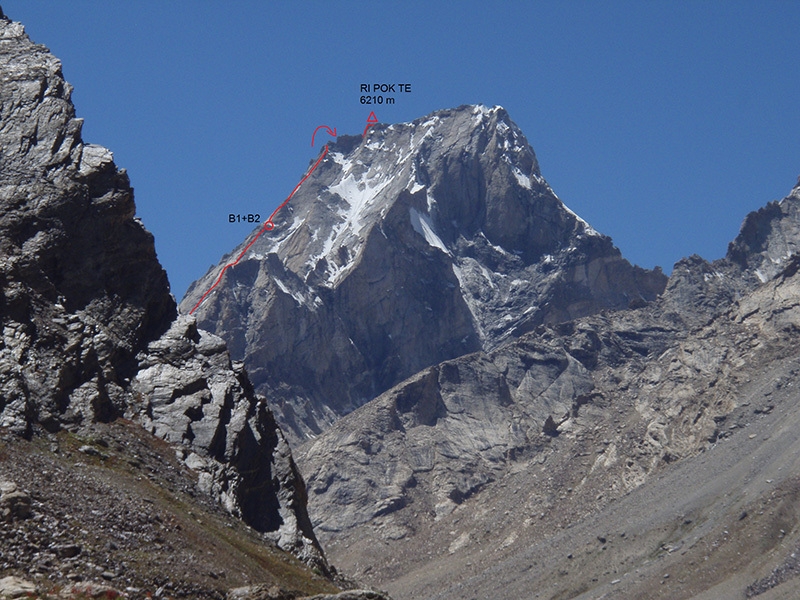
[
  {"x": 14, "y": 502},
  {"x": 15, "y": 587}
]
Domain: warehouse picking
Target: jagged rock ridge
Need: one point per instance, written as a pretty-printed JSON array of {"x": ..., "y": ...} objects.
[
  {"x": 421, "y": 242},
  {"x": 89, "y": 329},
  {"x": 769, "y": 237}
]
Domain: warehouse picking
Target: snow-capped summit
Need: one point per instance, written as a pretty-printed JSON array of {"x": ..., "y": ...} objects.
[{"x": 417, "y": 243}]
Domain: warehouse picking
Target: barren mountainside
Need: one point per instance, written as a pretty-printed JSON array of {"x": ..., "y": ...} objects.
[{"x": 638, "y": 453}]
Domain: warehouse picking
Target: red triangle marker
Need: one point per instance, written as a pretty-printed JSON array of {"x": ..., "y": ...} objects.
[{"x": 371, "y": 120}]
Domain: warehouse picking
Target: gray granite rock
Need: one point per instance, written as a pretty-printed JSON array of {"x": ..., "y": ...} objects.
[
  {"x": 88, "y": 328},
  {"x": 15, "y": 503},
  {"x": 188, "y": 392},
  {"x": 265, "y": 592},
  {"x": 420, "y": 243},
  {"x": 473, "y": 451},
  {"x": 82, "y": 290},
  {"x": 16, "y": 587}
]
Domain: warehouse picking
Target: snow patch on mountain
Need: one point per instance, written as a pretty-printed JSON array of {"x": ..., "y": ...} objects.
[
  {"x": 522, "y": 179},
  {"x": 348, "y": 242},
  {"x": 482, "y": 112},
  {"x": 423, "y": 225}
]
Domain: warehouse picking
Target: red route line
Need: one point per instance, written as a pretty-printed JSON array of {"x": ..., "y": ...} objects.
[{"x": 269, "y": 225}]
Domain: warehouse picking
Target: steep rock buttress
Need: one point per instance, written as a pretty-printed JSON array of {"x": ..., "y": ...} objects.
[{"x": 89, "y": 329}]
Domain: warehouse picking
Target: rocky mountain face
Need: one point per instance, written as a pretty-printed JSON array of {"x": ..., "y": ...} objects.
[
  {"x": 90, "y": 332},
  {"x": 419, "y": 243},
  {"x": 768, "y": 239},
  {"x": 429, "y": 318},
  {"x": 638, "y": 453}
]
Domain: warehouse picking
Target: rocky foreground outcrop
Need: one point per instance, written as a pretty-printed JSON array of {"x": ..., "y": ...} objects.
[
  {"x": 89, "y": 329},
  {"x": 188, "y": 393}
]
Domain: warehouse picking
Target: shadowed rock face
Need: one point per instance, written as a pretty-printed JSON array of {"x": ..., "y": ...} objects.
[
  {"x": 422, "y": 242},
  {"x": 188, "y": 392},
  {"x": 769, "y": 237},
  {"x": 83, "y": 291},
  {"x": 89, "y": 329}
]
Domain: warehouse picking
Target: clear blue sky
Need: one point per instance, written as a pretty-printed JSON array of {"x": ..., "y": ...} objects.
[{"x": 660, "y": 123}]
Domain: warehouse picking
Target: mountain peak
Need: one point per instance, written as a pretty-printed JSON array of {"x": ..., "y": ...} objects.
[
  {"x": 360, "y": 180},
  {"x": 417, "y": 243}
]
